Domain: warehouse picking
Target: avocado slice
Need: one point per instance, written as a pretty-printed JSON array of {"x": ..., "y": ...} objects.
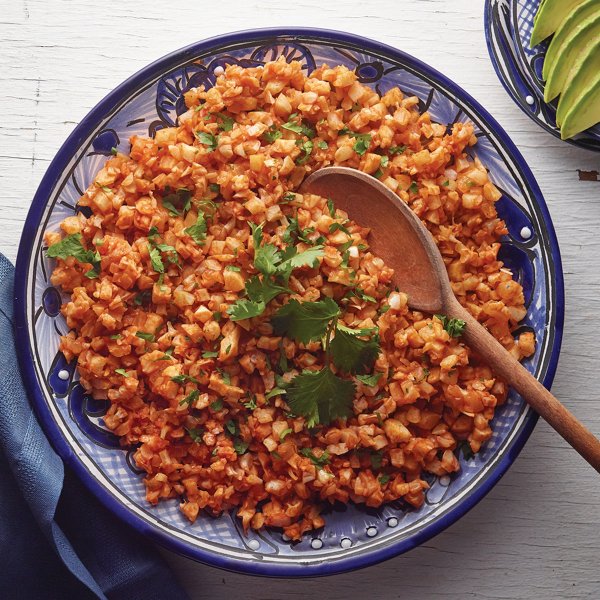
[
  {"x": 537, "y": 13},
  {"x": 585, "y": 113},
  {"x": 574, "y": 20},
  {"x": 581, "y": 76},
  {"x": 549, "y": 17},
  {"x": 584, "y": 34}
]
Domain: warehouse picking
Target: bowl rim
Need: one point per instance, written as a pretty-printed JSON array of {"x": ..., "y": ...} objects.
[{"x": 62, "y": 447}]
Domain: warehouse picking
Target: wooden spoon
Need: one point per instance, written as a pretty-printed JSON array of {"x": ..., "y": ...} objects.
[{"x": 404, "y": 243}]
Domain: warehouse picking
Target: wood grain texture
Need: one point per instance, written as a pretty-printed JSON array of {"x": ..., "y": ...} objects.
[{"x": 537, "y": 534}]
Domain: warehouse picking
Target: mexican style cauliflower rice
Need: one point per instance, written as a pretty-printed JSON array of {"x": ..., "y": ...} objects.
[{"x": 251, "y": 346}]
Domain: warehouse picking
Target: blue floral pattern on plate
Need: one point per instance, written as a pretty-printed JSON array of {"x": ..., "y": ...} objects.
[
  {"x": 353, "y": 536},
  {"x": 508, "y": 28}
]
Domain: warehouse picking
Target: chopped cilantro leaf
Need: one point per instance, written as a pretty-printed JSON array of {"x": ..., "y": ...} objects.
[
  {"x": 285, "y": 433},
  {"x": 142, "y": 298},
  {"x": 156, "y": 259},
  {"x": 172, "y": 256},
  {"x": 245, "y": 309},
  {"x": 362, "y": 143},
  {"x": 226, "y": 377},
  {"x": 225, "y": 122},
  {"x": 149, "y": 337},
  {"x": 376, "y": 459},
  {"x": 197, "y": 231},
  {"x": 331, "y": 208},
  {"x": 266, "y": 258},
  {"x": 276, "y": 391},
  {"x": 302, "y": 128},
  {"x": 271, "y": 135},
  {"x": 190, "y": 398},
  {"x": 338, "y": 227},
  {"x": 240, "y": 446},
  {"x": 183, "y": 378},
  {"x": 292, "y": 260},
  {"x": 208, "y": 139},
  {"x": 195, "y": 433},
  {"x": 232, "y": 427},
  {"x": 288, "y": 197},
  {"x": 455, "y": 327},
  {"x": 250, "y": 404},
  {"x": 177, "y": 202},
  {"x": 217, "y": 405},
  {"x": 305, "y": 321},
  {"x": 71, "y": 245},
  {"x": 318, "y": 461},
  {"x": 397, "y": 150},
  {"x": 360, "y": 294},
  {"x": 369, "y": 380},
  {"x": 320, "y": 396},
  {"x": 168, "y": 355},
  {"x": 352, "y": 354},
  {"x": 307, "y": 148},
  {"x": 121, "y": 372}
]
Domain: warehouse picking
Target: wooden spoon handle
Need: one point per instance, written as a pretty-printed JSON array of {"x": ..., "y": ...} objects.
[{"x": 533, "y": 392}]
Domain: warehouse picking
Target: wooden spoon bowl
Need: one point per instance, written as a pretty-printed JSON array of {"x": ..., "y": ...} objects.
[{"x": 403, "y": 242}]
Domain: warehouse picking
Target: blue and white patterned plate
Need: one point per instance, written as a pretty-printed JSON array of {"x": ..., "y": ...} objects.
[
  {"x": 508, "y": 27},
  {"x": 354, "y": 536}
]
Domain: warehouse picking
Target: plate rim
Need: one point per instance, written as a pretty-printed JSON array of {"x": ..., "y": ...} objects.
[{"x": 26, "y": 360}]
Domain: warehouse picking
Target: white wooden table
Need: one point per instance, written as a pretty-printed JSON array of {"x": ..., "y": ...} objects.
[{"x": 537, "y": 534}]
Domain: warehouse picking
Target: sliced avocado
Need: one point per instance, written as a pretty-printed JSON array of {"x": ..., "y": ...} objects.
[
  {"x": 550, "y": 15},
  {"x": 581, "y": 76},
  {"x": 585, "y": 113},
  {"x": 584, "y": 34},
  {"x": 574, "y": 19},
  {"x": 537, "y": 12}
]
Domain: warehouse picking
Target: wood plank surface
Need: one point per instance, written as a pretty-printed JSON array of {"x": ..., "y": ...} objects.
[{"x": 537, "y": 534}]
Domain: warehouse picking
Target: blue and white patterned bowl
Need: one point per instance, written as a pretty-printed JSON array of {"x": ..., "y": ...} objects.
[
  {"x": 508, "y": 28},
  {"x": 353, "y": 536}
]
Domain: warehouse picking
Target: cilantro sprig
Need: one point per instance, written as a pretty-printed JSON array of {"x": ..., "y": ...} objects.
[
  {"x": 322, "y": 396},
  {"x": 71, "y": 245},
  {"x": 275, "y": 267}
]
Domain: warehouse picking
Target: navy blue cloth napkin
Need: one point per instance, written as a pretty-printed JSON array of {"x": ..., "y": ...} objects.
[{"x": 56, "y": 540}]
